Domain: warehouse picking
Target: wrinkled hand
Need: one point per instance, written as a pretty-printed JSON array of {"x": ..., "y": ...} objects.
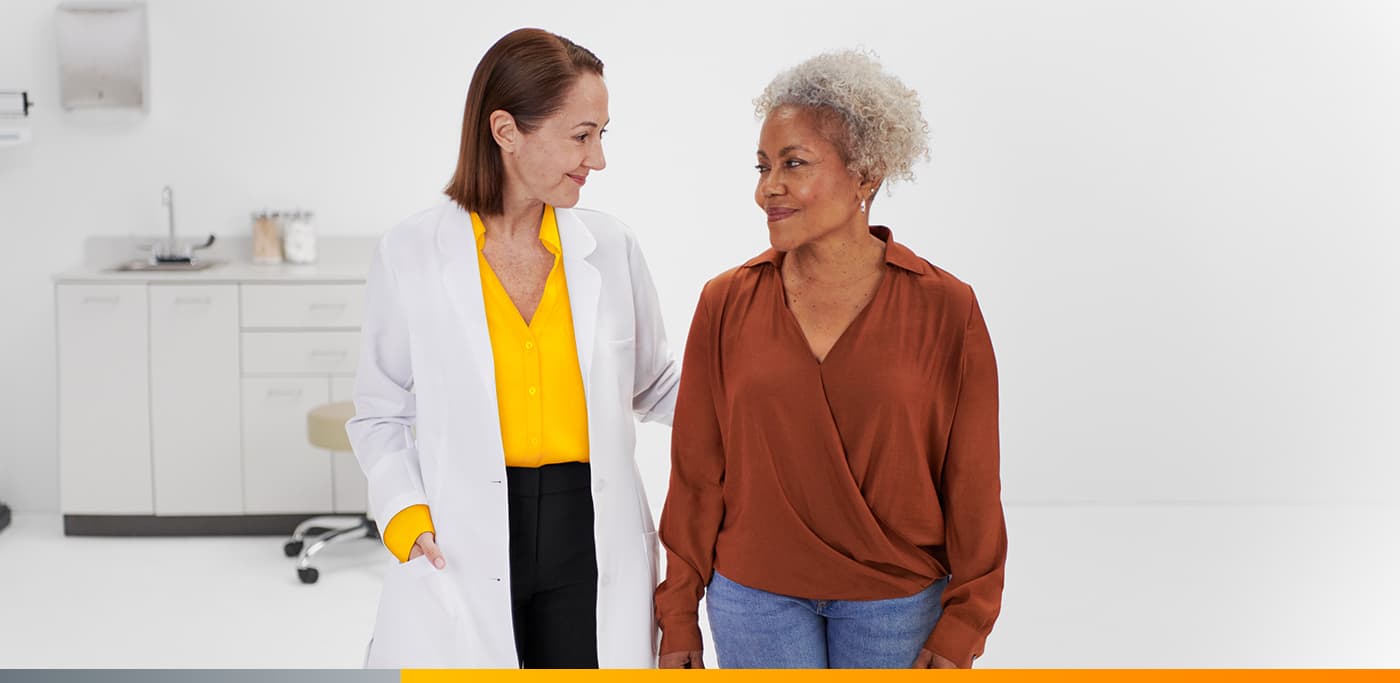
[
  {"x": 425, "y": 545},
  {"x": 930, "y": 660},
  {"x": 681, "y": 660}
]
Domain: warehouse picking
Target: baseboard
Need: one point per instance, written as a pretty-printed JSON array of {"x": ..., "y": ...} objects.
[{"x": 211, "y": 525}]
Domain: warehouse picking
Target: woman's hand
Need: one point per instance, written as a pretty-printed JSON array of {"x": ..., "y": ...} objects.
[
  {"x": 426, "y": 546},
  {"x": 681, "y": 660},
  {"x": 931, "y": 660}
]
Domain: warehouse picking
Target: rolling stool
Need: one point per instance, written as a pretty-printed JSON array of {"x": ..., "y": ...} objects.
[{"x": 325, "y": 427}]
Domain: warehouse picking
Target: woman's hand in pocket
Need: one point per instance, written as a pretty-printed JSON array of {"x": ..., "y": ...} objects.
[{"x": 426, "y": 545}]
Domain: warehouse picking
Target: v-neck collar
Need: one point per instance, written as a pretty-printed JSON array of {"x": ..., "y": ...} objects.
[
  {"x": 549, "y": 237},
  {"x": 855, "y": 322}
]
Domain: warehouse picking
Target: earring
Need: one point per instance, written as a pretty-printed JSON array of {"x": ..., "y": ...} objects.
[{"x": 862, "y": 206}]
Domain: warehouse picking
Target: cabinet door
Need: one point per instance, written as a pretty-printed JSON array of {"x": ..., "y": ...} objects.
[
  {"x": 282, "y": 471},
  {"x": 194, "y": 400},
  {"x": 351, "y": 489},
  {"x": 104, "y": 437}
]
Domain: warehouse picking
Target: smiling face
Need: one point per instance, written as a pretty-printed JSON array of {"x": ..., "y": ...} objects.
[
  {"x": 552, "y": 162},
  {"x": 803, "y": 183}
]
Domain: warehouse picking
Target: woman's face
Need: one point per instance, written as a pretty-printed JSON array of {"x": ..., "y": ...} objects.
[
  {"x": 552, "y": 163},
  {"x": 803, "y": 183}
]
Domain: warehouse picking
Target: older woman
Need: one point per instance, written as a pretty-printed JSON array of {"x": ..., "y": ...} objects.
[
  {"x": 518, "y": 337},
  {"x": 835, "y": 492}
]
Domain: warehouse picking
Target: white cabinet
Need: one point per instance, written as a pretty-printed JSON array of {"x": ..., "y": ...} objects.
[
  {"x": 194, "y": 400},
  {"x": 274, "y": 306},
  {"x": 282, "y": 471},
  {"x": 104, "y": 436},
  {"x": 299, "y": 351},
  {"x": 183, "y": 404}
]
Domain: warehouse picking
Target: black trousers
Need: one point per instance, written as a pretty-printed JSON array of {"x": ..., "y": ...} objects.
[{"x": 553, "y": 566}]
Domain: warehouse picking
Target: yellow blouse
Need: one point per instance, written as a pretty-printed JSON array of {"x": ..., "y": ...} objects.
[{"x": 538, "y": 381}]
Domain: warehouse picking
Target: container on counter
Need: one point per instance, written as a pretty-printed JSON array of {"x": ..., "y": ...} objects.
[
  {"x": 267, "y": 237},
  {"x": 299, "y": 238}
]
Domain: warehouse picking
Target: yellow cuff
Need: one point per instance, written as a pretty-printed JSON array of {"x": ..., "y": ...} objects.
[{"x": 405, "y": 528}]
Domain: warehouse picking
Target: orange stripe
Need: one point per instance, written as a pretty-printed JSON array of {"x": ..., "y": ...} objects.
[{"x": 977, "y": 675}]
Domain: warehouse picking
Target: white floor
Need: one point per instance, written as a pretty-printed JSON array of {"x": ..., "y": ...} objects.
[{"x": 1087, "y": 586}]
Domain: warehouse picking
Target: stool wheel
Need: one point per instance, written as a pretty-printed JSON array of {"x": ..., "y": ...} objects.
[
  {"x": 308, "y": 575},
  {"x": 292, "y": 548}
]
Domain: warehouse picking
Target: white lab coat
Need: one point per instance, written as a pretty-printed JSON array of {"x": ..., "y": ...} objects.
[{"x": 426, "y": 363}]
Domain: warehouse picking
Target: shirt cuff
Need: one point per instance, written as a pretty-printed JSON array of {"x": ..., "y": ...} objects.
[
  {"x": 681, "y": 634},
  {"x": 955, "y": 641},
  {"x": 405, "y": 528}
]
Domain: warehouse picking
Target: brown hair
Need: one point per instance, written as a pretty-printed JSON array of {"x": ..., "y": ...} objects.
[{"x": 527, "y": 74}]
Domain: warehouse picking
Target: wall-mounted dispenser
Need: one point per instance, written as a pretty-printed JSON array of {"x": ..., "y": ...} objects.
[
  {"x": 103, "y": 58},
  {"x": 14, "y": 117}
]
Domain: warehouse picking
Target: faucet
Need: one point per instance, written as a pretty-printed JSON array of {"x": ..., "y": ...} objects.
[
  {"x": 167, "y": 199},
  {"x": 170, "y": 250}
]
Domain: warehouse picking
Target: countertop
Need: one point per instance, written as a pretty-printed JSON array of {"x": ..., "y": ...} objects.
[{"x": 339, "y": 260}]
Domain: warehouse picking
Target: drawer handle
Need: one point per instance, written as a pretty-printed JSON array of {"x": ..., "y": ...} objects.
[
  {"x": 110, "y": 299},
  {"x": 328, "y": 353},
  {"x": 284, "y": 393},
  {"x": 193, "y": 301},
  {"x": 327, "y": 306}
]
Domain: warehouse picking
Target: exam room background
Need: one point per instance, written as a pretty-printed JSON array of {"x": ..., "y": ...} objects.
[{"x": 1181, "y": 218}]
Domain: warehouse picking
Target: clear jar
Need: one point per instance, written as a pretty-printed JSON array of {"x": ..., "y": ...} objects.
[{"x": 299, "y": 238}]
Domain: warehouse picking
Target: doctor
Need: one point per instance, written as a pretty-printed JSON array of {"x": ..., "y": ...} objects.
[{"x": 509, "y": 340}]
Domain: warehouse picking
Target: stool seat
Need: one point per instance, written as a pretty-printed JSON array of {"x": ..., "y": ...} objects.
[{"x": 325, "y": 425}]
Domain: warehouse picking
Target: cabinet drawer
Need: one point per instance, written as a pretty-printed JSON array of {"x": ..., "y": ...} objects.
[
  {"x": 302, "y": 306},
  {"x": 300, "y": 353}
]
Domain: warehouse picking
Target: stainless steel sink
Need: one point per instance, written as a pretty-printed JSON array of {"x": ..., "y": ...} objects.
[
  {"x": 169, "y": 255},
  {"x": 167, "y": 266}
]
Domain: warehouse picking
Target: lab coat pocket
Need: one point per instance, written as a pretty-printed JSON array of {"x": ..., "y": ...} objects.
[
  {"x": 622, "y": 362},
  {"x": 436, "y": 580},
  {"x": 416, "y": 625}
]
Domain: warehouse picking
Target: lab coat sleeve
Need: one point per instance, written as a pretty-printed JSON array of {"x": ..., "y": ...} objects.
[
  {"x": 657, "y": 374},
  {"x": 381, "y": 431}
]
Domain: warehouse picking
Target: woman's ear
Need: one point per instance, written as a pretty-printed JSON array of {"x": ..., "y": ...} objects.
[
  {"x": 869, "y": 186},
  {"x": 503, "y": 129}
]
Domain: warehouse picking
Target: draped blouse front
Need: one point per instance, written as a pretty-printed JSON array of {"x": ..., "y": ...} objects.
[{"x": 868, "y": 475}]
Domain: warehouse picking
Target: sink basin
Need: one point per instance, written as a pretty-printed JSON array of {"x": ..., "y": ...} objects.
[{"x": 171, "y": 266}]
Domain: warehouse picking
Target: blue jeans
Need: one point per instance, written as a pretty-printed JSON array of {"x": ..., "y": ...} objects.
[{"x": 755, "y": 629}]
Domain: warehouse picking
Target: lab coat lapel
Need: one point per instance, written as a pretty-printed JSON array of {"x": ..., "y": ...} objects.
[
  {"x": 585, "y": 284},
  {"x": 461, "y": 276}
]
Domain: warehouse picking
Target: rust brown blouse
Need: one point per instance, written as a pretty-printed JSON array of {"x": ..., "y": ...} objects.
[{"x": 867, "y": 476}]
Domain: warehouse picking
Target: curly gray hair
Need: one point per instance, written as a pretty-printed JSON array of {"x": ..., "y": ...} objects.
[{"x": 885, "y": 133}]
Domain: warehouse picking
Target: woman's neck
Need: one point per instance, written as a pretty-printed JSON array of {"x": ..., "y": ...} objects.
[
  {"x": 837, "y": 258},
  {"x": 519, "y": 219}
]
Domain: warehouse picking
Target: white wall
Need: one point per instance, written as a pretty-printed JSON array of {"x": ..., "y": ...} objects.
[{"x": 1180, "y": 216}]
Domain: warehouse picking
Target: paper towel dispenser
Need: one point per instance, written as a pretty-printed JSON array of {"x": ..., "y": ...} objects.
[
  {"x": 14, "y": 117},
  {"x": 103, "y": 57}
]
